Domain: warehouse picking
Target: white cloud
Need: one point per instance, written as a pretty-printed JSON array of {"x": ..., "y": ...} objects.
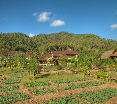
[
  {"x": 31, "y": 35},
  {"x": 113, "y": 26},
  {"x": 57, "y": 23},
  {"x": 47, "y": 17},
  {"x": 43, "y": 17}
]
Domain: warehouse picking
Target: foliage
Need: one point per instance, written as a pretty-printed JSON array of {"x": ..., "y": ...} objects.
[
  {"x": 33, "y": 84},
  {"x": 19, "y": 51},
  {"x": 19, "y": 64},
  {"x": 88, "y": 97},
  {"x": 103, "y": 74},
  {"x": 43, "y": 91},
  {"x": 82, "y": 85},
  {"x": 11, "y": 93},
  {"x": 13, "y": 98}
]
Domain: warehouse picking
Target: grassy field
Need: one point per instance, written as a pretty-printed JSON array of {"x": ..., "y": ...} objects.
[
  {"x": 11, "y": 91},
  {"x": 99, "y": 97}
]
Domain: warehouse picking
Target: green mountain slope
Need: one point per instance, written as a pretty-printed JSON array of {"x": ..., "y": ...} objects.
[{"x": 90, "y": 46}]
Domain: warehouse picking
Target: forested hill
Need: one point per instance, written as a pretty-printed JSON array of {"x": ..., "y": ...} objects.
[
  {"x": 42, "y": 43},
  {"x": 19, "y": 51}
]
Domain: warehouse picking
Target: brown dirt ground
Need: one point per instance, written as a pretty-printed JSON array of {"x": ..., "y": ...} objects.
[{"x": 113, "y": 100}]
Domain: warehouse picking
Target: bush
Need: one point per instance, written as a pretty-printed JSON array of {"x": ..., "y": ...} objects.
[{"x": 102, "y": 74}]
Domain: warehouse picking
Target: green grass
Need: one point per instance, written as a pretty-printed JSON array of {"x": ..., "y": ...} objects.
[
  {"x": 43, "y": 91},
  {"x": 12, "y": 81},
  {"x": 102, "y": 74},
  {"x": 99, "y": 97},
  {"x": 41, "y": 86},
  {"x": 63, "y": 78},
  {"x": 68, "y": 78},
  {"x": 56, "y": 79},
  {"x": 34, "y": 84},
  {"x": 11, "y": 94},
  {"x": 83, "y": 85},
  {"x": 10, "y": 90},
  {"x": 13, "y": 98},
  {"x": 89, "y": 97},
  {"x": 67, "y": 86}
]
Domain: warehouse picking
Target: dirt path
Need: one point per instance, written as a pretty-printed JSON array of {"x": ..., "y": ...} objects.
[
  {"x": 25, "y": 90},
  {"x": 113, "y": 100},
  {"x": 40, "y": 98}
]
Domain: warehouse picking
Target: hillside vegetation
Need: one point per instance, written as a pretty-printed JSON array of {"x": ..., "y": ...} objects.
[
  {"x": 90, "y": 47},
  {"x": 20, "y": 66}
]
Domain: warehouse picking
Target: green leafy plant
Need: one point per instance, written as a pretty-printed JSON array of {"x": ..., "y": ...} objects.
[{"x": 102, "y": 74}]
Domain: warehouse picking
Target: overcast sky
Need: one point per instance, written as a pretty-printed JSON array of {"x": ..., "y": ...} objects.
[{"x": 46, "y": 16}]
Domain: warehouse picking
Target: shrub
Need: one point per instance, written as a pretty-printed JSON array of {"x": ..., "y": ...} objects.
[{"x": 102, "y": 74}]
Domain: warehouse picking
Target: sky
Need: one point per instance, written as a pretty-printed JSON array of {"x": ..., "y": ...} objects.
[{"x": 48, "y": 16}]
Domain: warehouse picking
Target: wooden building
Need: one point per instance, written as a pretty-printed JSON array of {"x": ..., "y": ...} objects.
[
  {"x": 109, "y": 54},
  {"x": 53, "y": 56}
]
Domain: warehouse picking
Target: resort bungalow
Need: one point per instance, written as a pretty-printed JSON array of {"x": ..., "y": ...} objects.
[
  {"x": 109, "y": 54},
  {"x": 53, "y": 56}
]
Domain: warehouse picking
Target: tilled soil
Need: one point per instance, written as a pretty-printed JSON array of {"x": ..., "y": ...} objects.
[
  {"x": 113, "y": 100},
  {"x": 34, "y": 99}
]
